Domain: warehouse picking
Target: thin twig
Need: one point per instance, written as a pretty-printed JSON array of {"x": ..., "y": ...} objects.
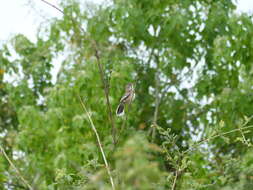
[
  {"x": 106, "y": 91},
  {"x": 15, "y": 168},
  {"x": 124, "y": 122},
  {"x": 101, "y": 72},
  {"x": 98, "y": 140},
  {"x": 244, "y": 139},
  {"x": 157, "y": 101},
  {"x": 121, "y": 128},
  {"x": 213, "y": 137},
  {"x": 243, "y": 136},
  {"x": 174, "y": 181},
  {"x": 51, "y": 5},
  {"x": 208, "y": 139}
]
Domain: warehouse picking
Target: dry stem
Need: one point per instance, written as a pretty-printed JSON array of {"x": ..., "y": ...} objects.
[
  {"x": 15, "y": 168},
  {"x": 99, "y": 142},
  {"x": 101, "y": 72},
  {"x": 213, "y": 137},
  {"x": 174, "y": 181}
]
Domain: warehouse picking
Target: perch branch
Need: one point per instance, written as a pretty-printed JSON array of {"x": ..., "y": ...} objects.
[{"x": 101, "y": 72}]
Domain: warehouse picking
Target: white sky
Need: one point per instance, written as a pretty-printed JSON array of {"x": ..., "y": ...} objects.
[{"x": 20, "y": 16}]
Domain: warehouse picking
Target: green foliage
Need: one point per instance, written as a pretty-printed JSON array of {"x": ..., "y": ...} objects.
[{"x": 189, "y": 126}]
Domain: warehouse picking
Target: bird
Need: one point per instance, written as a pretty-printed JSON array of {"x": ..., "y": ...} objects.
[{"x": 127, "y": 98}]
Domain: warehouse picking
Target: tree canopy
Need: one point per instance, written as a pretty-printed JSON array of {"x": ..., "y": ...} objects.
[{"x": 189, "y": 127}]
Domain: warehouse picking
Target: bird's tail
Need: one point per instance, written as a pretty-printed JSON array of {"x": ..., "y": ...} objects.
[{"x": 120, "y": 109}]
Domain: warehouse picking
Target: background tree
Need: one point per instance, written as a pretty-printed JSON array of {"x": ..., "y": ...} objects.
[{"x": 191, "y": 64}]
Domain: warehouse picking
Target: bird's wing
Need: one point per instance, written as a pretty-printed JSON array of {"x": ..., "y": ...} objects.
[{"x": 125, "y": 97}]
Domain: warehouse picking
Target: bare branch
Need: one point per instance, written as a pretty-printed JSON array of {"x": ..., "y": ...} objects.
[
  {"x": 174, "y": 181},
  {"x": 15, "y": 168},
  {"x": 51, "y": 5},
  {"x": 218, "y": 135},
  {"x": 106, "y": 91},
  {"x": 99, "y": 142},
  {"x": 101, "y": 72},
  {"x": 157, "y": 100},
  {"x": 124, "y": 122}
]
